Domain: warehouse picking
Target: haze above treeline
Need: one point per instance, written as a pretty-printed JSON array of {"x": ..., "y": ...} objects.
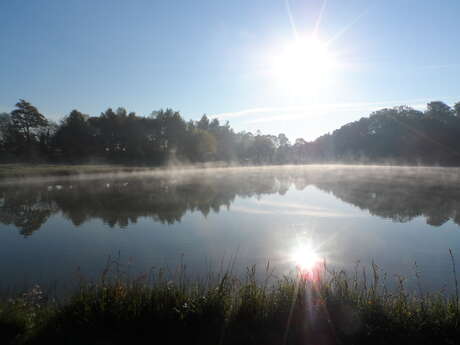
[{"x": 399, "y": 135}]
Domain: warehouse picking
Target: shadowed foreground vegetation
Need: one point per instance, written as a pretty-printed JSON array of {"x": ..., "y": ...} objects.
[{"x": 305, "y": 308}]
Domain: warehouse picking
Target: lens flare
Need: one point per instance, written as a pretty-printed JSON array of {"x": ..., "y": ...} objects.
[{"x": 305, "y": 257}]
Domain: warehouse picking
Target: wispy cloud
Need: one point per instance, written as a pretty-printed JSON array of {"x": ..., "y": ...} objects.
[
  {"x": 245, "y": 112},
  {"x": 291, "y": 211},
  {"x": 275, "y": 118},
  {"x": 441, "y": 66},
  {"x": 267, "y": 207},
  {"x": 288, "y": 205},
  {"x": 273, "y": 114}
]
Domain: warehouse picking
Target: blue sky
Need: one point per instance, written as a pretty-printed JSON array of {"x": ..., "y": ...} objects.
[{"x": 212, "y": 56}]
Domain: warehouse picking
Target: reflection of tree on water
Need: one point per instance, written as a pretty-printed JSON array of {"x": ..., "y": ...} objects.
[
  {"x": 27, "y": 211},
  {"x": 121, "y": 202},
  {"x": 400, "y": 201},
  {"x": 398, "y": 196}
]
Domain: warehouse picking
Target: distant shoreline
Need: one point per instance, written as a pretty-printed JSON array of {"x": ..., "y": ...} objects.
[
  {"x": 20, "y": 171},
  {"x": 13, "y": 171}
]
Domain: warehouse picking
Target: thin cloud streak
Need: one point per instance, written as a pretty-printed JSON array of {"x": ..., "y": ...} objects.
[
  {"x": 262, "y": 114},
  {"x": 291, "y": 212},
  {"x": 278, "y": 118},
  {"x": 435, "y": 67},
  {"x": 289, "y": 205},
  {"x": 267, "y": 207}
]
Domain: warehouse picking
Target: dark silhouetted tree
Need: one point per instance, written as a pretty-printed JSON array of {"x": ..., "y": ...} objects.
[
  {"x": 457, "y": 109},
  {"x": 75, "y": 136},
  {"x": 439, "y": 110},
  {"x": 27, "y": 119}
]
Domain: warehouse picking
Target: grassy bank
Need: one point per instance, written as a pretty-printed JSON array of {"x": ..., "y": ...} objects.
[
  {"x": 320, "y": 308},
  {"x": 13, "y": 171}
]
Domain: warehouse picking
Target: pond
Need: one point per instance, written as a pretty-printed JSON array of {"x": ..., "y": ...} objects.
[{"x": 53, "y": 231}]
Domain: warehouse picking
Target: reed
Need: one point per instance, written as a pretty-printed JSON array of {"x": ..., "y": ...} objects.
[{"x": 163, "y": 306}]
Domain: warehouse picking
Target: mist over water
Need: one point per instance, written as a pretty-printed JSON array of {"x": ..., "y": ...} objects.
[{"x": 395, "y": 216}]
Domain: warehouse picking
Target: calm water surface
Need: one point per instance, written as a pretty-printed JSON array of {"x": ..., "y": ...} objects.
[{"x": 51, "y": 229}]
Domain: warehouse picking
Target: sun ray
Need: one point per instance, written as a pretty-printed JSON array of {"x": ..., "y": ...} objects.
[
  {"x": 347, "y": 27},
  {"x": 291, "y": 19},
  {"x": 320, "y": 17}
]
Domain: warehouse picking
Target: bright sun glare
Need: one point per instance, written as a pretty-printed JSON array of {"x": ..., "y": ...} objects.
[
  {"x": 304, "y": 64},
  {"x": 305, "y": 257}
]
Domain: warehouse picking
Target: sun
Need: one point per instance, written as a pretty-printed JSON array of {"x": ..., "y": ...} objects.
[
  {"x": 303, "y": 64},
  {"x": 305, "y": 257}
]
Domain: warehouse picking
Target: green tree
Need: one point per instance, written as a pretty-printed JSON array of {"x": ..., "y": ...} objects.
[
  {"x": 203, "y": 123},
  {"x": 75, "y": 136},
  {"x": 439, "y": 110},
  {"x": 457, "y": 109},
  {"x": 203, "y": 145},
  {"x": 27, "y": 119},
  {"x": 171, "y": 131},
  {"x": 283, "y": 151},
  {"x": 5, "y": 121},
  {"x": 263, "y": 149}
]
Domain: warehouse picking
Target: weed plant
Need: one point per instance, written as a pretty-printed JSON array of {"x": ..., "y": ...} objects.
[{"x": 321, "y": 306}]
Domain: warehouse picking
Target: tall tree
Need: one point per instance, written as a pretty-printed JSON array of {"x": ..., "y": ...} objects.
[
  {"x": 26, "y": 118},
  {"x": 439, "y": 110},
  {"x": 5, "y": 122},
  {"x": 171, "y": 130},
  {"x": 75, "y": 136},
  {"x": 457, "y": 109}
]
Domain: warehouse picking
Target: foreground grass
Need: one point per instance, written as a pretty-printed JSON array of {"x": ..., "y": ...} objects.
[{"x": 306, "y": 308}]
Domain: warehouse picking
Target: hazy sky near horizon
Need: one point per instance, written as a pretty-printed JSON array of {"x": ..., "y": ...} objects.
[{"x": 217, "y": 57}]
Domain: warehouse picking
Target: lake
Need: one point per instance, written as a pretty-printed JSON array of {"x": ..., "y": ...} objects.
[{"x": 53, "y": 231}]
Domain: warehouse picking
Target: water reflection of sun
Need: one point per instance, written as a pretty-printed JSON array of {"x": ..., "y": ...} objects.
[{"x": 305, "y": 257}]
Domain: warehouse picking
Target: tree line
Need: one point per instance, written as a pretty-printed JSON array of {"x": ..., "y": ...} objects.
[
  {"x": 399, "y": 135},
  {"x": 396, "y": 135}
]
